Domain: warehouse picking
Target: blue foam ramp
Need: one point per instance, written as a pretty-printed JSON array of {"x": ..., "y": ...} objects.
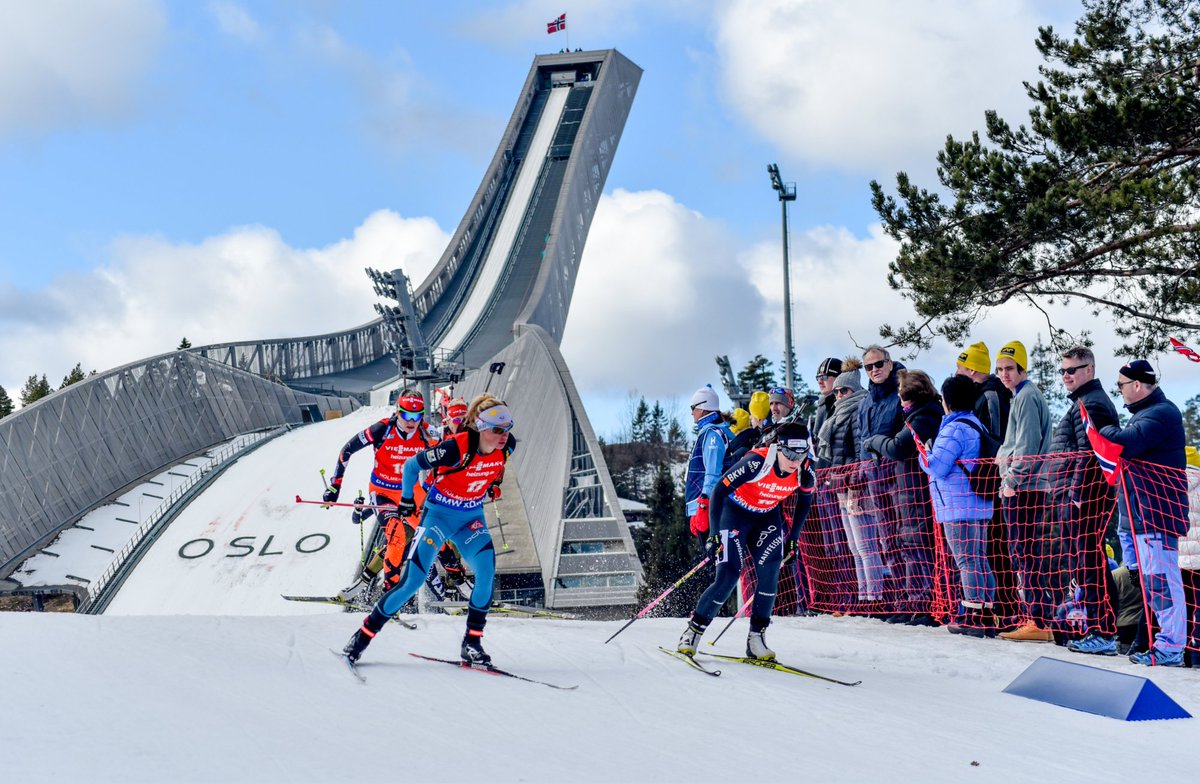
[{"x": 1098, "y": 691}]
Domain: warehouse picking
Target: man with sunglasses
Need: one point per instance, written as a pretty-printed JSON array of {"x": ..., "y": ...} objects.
[
  {"x": 882, "y": 414},
  {"x": 1082, "y": 499},
  {"x": 394, "y": 440},
  {"x": 746, "y": 518},
  {"x": 707, "y": 458}
]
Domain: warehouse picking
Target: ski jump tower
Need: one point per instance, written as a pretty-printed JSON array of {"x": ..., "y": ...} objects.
[{"x": 499, "y": 296}]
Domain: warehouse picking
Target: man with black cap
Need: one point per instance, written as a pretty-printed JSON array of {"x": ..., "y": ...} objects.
[{"x": 1153, "y": 505}]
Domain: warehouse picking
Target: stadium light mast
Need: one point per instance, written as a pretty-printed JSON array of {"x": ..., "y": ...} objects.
[{"x": 787, "y": 192}]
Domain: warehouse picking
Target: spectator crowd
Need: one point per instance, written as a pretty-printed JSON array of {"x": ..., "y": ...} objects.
[{"x": 966, "y": 504}]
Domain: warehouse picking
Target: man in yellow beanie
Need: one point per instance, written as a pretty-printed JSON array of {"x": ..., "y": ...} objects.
[
  {"x": 1024, "y": 490},
  {"x": 991, "y": 408},
  {"x": 741, "y": 420},
  {"x": 760, "y": 407}
]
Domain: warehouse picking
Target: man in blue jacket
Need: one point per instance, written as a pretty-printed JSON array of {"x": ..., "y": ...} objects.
[
  {"x": 706, "y": 463},
  {"x": 1153, "y": 505}
]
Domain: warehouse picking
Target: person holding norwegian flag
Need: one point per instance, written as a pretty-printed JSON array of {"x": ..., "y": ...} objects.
[{"x": 1152, "y": 503}]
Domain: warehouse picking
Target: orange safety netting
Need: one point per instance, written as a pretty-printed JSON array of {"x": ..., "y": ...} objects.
[{"x": 881, "y": 540}]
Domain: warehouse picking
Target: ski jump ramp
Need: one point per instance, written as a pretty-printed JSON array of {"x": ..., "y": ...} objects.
[{"x": 500, "y": 292}]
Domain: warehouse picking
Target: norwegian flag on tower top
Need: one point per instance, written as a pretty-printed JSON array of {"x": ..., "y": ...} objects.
[
  {"x": 1183, "y": 349},
  {"x": 558, "y": 24},
  {"x": 1108, "y": 454}
]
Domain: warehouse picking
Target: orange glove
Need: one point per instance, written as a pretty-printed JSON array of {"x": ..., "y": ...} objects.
[{"x": 699, "y": 521}]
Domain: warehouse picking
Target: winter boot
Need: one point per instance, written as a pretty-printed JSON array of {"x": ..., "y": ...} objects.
[
  {"x": 756, "y": 646},
  {"x": 472, "y": 649},
  {"x": 691, "y": 638},
  {"x": 358, "y": 642}
]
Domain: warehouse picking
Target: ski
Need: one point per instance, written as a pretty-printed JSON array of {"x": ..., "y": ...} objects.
[
  {"x": 334, "y": 600},
  {"x": 351, "y": 666},
  {"x": 780, "y": 667},
  {"x": 489, "y": 669},
  {"x": 507, "y": 609},
  {"x": 690, "y": 661}
]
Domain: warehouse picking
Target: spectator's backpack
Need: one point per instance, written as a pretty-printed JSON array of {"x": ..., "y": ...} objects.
[{"x": 984, "y": 475}]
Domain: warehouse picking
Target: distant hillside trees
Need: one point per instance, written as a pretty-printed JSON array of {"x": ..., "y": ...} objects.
[
  {"x": 34, "y": 389},
  {"x": 648, "y": 467},
  {"x": 6, "y": 403}
]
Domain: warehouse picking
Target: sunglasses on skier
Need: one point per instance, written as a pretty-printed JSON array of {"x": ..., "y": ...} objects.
[
  {"x": 796, "y": 452},
  {"x": 411, "y": 415}
]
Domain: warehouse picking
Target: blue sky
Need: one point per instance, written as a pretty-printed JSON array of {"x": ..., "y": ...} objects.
[{"x": 224, "y": 170}]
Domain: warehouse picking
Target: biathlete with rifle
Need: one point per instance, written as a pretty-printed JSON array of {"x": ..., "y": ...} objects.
[
  {"x": 465, "y": 470},
  {"x": 746, "y": 517}
]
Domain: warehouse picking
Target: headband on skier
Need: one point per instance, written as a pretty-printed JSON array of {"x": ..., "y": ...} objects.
[
  {"x": 410, "y": 407},
  {"x": 497, "y": 419}
]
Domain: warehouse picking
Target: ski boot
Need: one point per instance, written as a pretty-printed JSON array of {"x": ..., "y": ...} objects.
[
  {"x": 358, "y": 642},
  {"x": 691, "y": 638},
  {"x": 352, "y": 592},
  {"x": 756, "y": 646},
  {"x": 472, "y": 650}
]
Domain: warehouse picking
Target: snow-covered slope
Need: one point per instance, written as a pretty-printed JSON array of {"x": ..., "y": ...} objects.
[
  {"x": 245, "y": 540},
  {"x": 256, "y": 699}
]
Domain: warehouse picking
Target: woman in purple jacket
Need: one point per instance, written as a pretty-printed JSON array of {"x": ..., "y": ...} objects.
[{"x": 963, "y": 515}]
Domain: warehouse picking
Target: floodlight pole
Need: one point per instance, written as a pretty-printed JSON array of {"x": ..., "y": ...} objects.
[{"x": 787, "y": 192}]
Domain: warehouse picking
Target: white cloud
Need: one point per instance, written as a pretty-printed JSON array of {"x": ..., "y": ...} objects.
[
  {"x": 875, "y": 85},
  {"x": 242, "y": 285},
  {"x": 235, "y": 21},
  {"x": 659, "y": 294},
  {"x": 65, "y": 64},
  {"x": 403, "y": 111}
]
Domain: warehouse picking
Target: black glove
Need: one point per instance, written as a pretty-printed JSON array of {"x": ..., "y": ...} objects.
[
  {"x": 713, "y": 546},
  {"x": 332, "y": 491},
  {"x": 406, "y": 507},
  {"x": 791, "y": 549},
  {"x": 360, "y": 513}
]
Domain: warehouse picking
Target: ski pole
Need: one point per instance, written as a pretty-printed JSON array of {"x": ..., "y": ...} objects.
[
  {"x": 342, "y": 505},
  {"x": 732, "y": 620},
  {"x": 323, "y": 481},
  {"x": 362, "y": 545},
  {"x": 499, "y": 525},
  {"x": 665, "y": 593}
]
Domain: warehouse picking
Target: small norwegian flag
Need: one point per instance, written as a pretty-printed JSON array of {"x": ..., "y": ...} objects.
[
  {"x": 1108, "y": 454},
  {"x": 1183, "y": 349},
  {"x": 922, "y": 452},
  {"x": 558, "y": 24}
]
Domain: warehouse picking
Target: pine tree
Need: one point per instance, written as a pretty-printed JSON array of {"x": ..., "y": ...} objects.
[
  {"x": 672, "y": 548},
  {"x": 184, "y": 344},
  {"x": 757, "y": 375},
  {"x": 1191, "y": 421},
  {"x": 641, "y": 416},
  {"x": 74, "y": 376},
  {"x": 6, "y": 403},
  {"x": 1094, "y": 202},
  {"x": 34, "y": 389},
  {"x": 1044, "y": 372}
]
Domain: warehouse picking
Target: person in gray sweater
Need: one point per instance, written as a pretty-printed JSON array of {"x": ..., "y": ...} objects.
[{"x": 1024, "y": 493}]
